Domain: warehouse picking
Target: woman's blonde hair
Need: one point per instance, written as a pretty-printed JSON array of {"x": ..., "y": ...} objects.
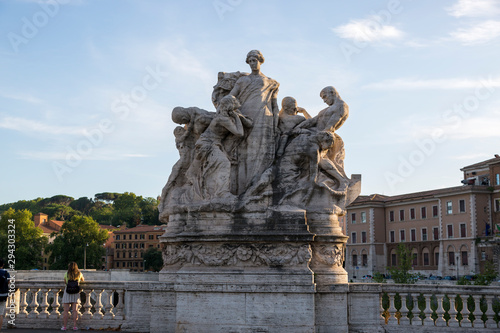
[{"x": 73, "y": 271}]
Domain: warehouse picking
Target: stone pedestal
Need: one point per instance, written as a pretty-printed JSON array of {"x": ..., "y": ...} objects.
[{"x": 251, "y": 272}]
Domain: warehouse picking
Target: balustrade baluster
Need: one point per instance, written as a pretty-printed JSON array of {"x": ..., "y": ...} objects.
[
  {"x": 490, "y": 314},
  {"x": 87, "y": 314},
  {"x": 440, "y": 321},
  {"x": 404, "y": 320},
  {"x": 34, "y": 304},
  {"x": 23, "y": 304},
  {"x": 98, "y": 305},
  {"x": 453, "y": 322},
  {"x": 392, "y": 310},
  {"x": 119, "y": 307},
  {"x": 465, "y": 312},
  {"x": 55, "y": 304},
  {"x": 478, "y": 321},
  {"x": 428, "y": 321},
  {"x": 45, "y": 304},
  {"x": 108, "y": 308},
  {"x": 416, "y": 320}
]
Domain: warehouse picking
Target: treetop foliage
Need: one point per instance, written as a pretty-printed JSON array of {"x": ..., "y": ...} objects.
[{"x": 105, "y": 208}]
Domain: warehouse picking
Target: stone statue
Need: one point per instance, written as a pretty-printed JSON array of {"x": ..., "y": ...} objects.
[
  {"x": 209, "y": 174},
  {"x": 257, "y": 94},
  {"x": 248, "y": 156},
  {"x": 252, "y": 210}
]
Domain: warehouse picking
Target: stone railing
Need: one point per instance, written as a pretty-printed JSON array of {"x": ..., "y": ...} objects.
[
  {"x": 104, "y": 305},
  {"x": 424, "y": 308},
  {"x": 133, "y": 306}
]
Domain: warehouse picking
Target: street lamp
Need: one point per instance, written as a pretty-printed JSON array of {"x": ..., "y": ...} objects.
[{"x": 85, "y": 256}]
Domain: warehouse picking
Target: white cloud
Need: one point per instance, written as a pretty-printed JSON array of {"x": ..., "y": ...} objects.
[
  {"x": 443, "y": 84},
  {"x": 21, "y": 97},
  {"x": 368, "y": 30},
  {"x": 474, "y": 8},
  {"x": 479, "y": 33},
  {"x": 31, "y": 126}
]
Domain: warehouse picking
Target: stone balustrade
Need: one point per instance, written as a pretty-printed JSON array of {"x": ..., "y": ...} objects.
[{"x": 132, "y": 306}]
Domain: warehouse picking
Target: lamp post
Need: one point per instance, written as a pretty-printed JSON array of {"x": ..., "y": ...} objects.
[{"x": 85, "y": 256}]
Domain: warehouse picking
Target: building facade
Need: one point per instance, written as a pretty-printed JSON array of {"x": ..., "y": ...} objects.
[
  {"x": 131, "y": 244},
  {"x": 450, "y": 231}
]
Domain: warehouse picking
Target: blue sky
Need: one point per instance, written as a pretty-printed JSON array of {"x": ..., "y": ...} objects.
[{"x": 87, "y": 87}]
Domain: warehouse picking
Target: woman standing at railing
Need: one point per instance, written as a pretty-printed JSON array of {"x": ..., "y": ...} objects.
[{"x": 71, "y": 296}]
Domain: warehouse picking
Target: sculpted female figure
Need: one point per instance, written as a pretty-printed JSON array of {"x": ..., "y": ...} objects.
[
  {"x": 209, "y": 173},
  {"x": 257, "y": 95}
]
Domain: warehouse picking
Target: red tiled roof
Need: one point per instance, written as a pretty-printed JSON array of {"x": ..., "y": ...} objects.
[
  {"x": 483, "y": 163},
  {"x": 143, "y": 228}
]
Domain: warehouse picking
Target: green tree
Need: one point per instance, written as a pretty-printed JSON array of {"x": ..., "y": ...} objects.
[
  {"x": 153, "y": 259},
  {"x": 82, "y": 204},
  {"x": 401, "y": 273},
  {"x": 29, "y": 241},
  {"x": 488, "y": 276},
  {"x": 59, "y": 212},
  {"x": 149, "y": 211},
  {"x": 77, "y": 237},
  {"x": 127, "y": 210}
]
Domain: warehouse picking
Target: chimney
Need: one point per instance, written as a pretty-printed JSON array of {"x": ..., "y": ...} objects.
[{"x": 497, "y": 156}]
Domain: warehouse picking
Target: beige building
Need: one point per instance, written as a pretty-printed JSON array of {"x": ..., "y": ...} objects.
[
  {"x": 450, "y": 231},
  {"x": 48, "y": 227},
  {"x": 131, "y": 244}
]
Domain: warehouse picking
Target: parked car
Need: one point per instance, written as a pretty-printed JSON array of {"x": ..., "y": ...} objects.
[
  {"x": 435, "y": 277},
  {"x": 469, "y": 277},
  {"x": 367, "y": 277},
  {"x": 448, "y": 277}
]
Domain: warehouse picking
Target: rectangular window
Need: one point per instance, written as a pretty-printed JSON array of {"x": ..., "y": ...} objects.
[
  {"x": 415, "y": 260},
  {"x": 355, "y": 260},
  {"x": 135, "y": 236},
  {"x": 117, "y": 237},
  {"x": 435, "y": 231},
  {"x": 426, "y": 259},
  {"x": 424, "y": 234},
  {"x": 497, "y": 179},
  {"x": 465, "y": 258},
  {"x": 142, "y": 236},
  {"x": 393, "y": 240},
  {"x": 117, "y": 246},
  {"x": 363, "y": 217},
  {"x": 412, "y": 213},
  {"x": 413, "y": 235},
  {"x": 401, "y": 235},
  {"x": 434, "y": 211},
  {"x": 364, "y": 258},
  {"x": 451, "y": 258},
  {"x": 401, "y": 215},
  {"x": 151, "y": 237},
  {"x": 393, "y": 259},
  {"x": 461, "y": 204},
  {"x": 449, "y": 228},
  {"x": 436, "y": 258},
  {"x": 449, "y": 208},
  {"x": 463, "y": 230},
  {"x": 497, "y": 205},
  {"x": 391, "y": 216},
  {"x": 363, "y": 236},
  {"x": 117, "y": 254},
  {"x": 353, "y": 218},
  {"x": 423, "y": 212},
  {"x": 353, "y": 238}
]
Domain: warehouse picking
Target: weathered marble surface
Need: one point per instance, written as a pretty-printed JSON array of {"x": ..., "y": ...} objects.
[
  {"x": 252, "y": 210},
  {"x": 249, "y": 156}
]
